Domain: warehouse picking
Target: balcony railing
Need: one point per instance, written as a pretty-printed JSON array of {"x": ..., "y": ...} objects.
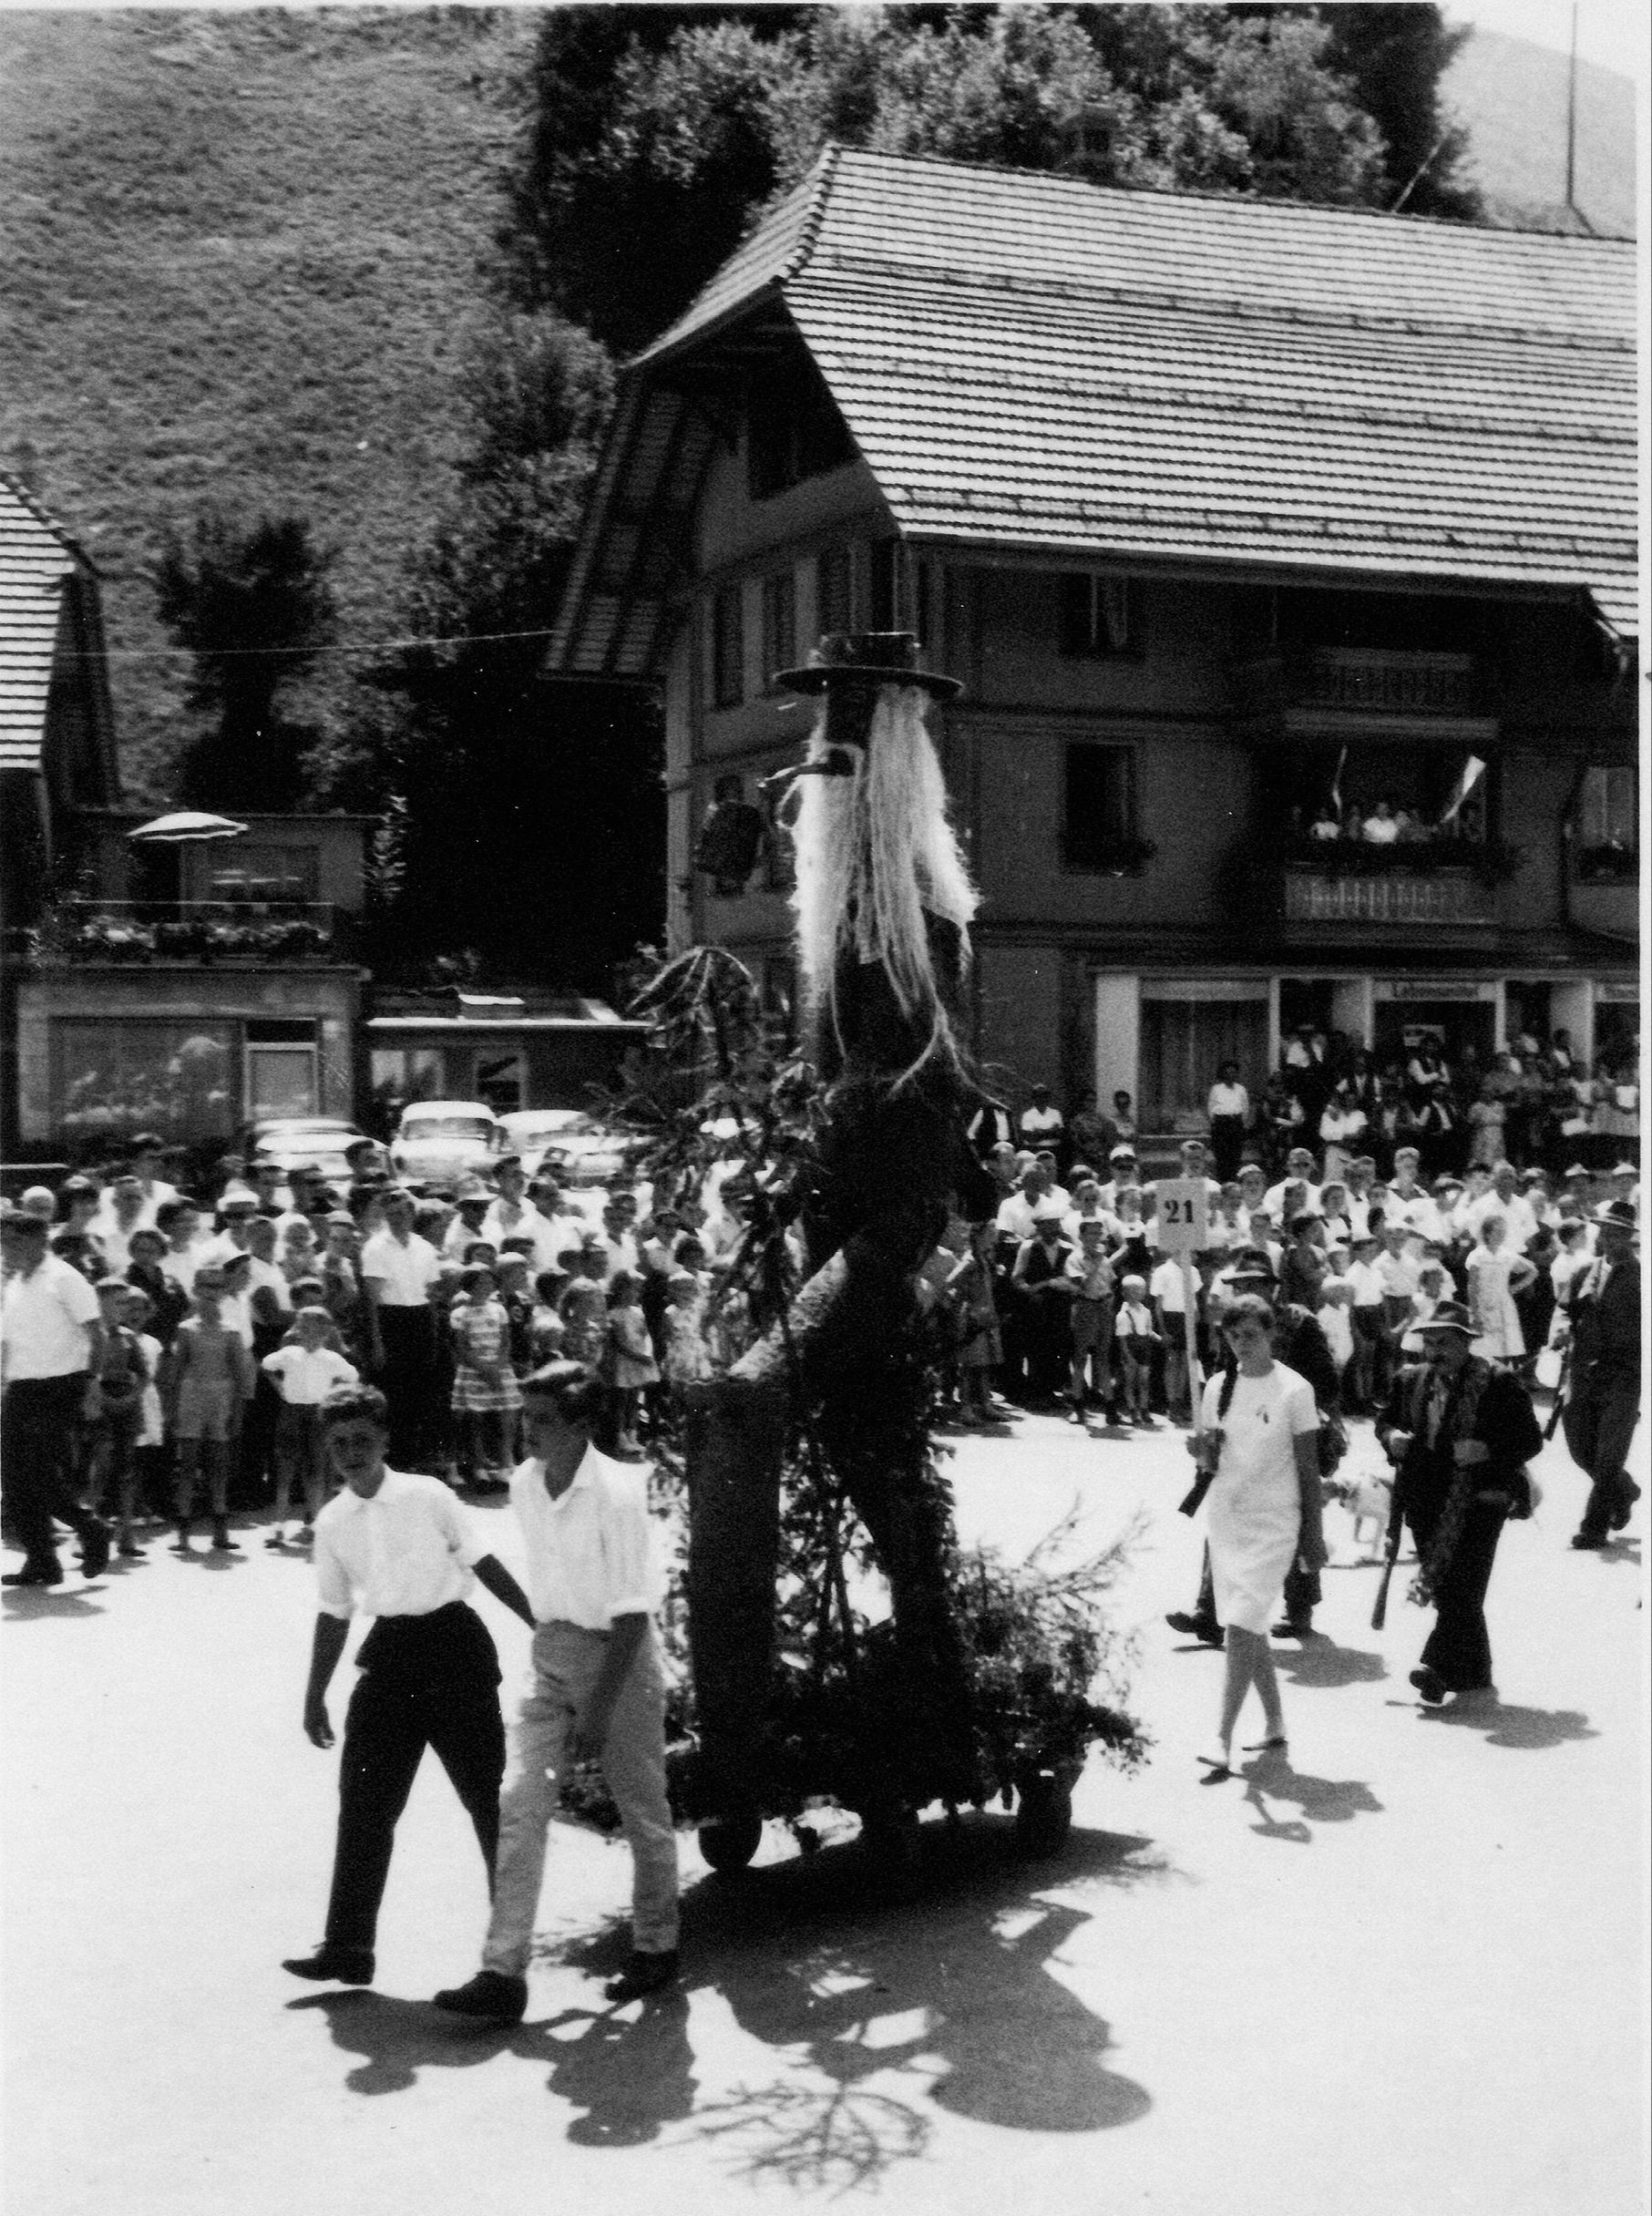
[
  {"x": 256, "y": 931},
  {"x": 1364, "y": 681},
  {"x": 1441, "y": 898}
]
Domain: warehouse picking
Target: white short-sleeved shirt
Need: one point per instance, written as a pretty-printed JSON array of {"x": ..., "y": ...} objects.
[
  {"x": 1166, "y": 1285},
  {"x": 590, "y": 1555},
  {"x": 1229, "y": 1100},
  {"x": 407, "y": 1551},
  {"x": 1133, "y": 1321},
  {"x": 406, "y": 1269},
  {"x": 43, "y": 1320},
  {"x": 306, "y": 1375}
]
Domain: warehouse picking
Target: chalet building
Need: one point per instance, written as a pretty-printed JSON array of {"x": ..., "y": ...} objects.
[
  {"x": 1225, "y": 512},
  {"x": 185, "y": 989}
]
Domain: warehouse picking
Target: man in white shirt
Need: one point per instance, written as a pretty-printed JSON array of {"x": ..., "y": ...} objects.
[
  {"x": 1505, "y": 1199},
  {"x": 509, "y": 1216},
  {"x": 397, "y": 1548},
  {"x": 120, "y": 1212},
  {"x": 1041, "y": 1123},
  {"x": 1169, "y": 1294},
  {"x": 1408, "y": 1203},
  {"x": 1016, "y": 1216},
  {"x": 51, "y": 1342},
  {"x": 598, "y": 1694},
  {"x": 400, "y": 1270},
  {"x": 145, "y": 1156},
  {"x": 1298, "y": 1170}
]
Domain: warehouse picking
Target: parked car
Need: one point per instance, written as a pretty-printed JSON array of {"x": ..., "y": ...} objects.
[
  {"x": 569, "y": 1144},
  {"x": 301, "y": 1142},
  {"x": 440, "y": 1142}
]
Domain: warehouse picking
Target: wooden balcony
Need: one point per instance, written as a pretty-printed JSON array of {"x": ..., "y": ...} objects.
[
  {"x": 1364, "y": 692},
  {"x": 260, "y": 932},
  {"x": 1407, "y": 903}
]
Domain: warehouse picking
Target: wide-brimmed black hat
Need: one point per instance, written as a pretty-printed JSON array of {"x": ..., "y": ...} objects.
[
  {"x": 866, "y": 657},
  {"x": 1618, "y": 1214},
  {"x": 1450, "y": 1316}
]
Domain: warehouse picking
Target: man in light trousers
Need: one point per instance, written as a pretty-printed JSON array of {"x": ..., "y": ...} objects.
[{"x": 597, "y": 1693}]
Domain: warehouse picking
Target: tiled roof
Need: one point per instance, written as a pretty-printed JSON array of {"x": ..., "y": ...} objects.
[
  {"x": 35, "y": 561},
  {"x": 1029, "y": 361}
]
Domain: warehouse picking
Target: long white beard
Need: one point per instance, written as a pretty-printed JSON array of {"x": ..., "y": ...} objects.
[{"x": 874, "y": 852}]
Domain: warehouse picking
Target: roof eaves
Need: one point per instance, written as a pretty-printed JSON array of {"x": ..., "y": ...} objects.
[{"x": 47, "y": 522}]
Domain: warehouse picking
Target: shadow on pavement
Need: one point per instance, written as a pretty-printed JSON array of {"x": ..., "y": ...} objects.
[
  {"x": 1322, "y": 1799},
  {"x": 1531, "y": 1729},
  {"x": 22, "y": 1602},
  {"x": 1319, "y": 1662},
  {"x": 943, "y": 1983}
]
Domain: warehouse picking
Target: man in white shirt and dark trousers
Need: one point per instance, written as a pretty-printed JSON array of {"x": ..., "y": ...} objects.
[
  {"x": 597, "y": 1693},
  {"x": 398, "y": 1270},
  {"x": 51, "y": 1341},
  {"x": 398, "y": 1548}
]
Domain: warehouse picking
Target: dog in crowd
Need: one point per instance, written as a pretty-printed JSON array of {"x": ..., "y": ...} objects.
[{"x": 1368, "y": 1498}]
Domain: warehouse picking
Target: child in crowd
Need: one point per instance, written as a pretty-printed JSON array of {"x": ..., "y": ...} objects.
[
  {"x": 1334, "y": 1317},
  {"x": 208, "y": 1382},
  {"x": 486, "y": 1396},
  {"x": 340, "y": 1273},
  {"x": 149, "y": 1448},
  {"x": 980, "y": 1347},
  {"x": 1136, "y": 1339},
  {"x": 169, "y": 1302},
  {"x": 119, "y": 1380},
  {"x": 687, "y": 1358},
  {"x": 298, "y": 1255},
  {"x": 304, "y": 1371},
  {"x": 1169, "y": 1290},
  {"x": 1092, "y": 1277},
  {"x": 546, "y": 1330},
  {"x": 584, "y": 1310},
  {"x": 1365, "y": 1318},
  {"x": 516, "y": 1296},
  {"x": 634, "y": 1367}
]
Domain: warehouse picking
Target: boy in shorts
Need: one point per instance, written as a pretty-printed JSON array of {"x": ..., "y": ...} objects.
[{"x": 210, "y": 1380}]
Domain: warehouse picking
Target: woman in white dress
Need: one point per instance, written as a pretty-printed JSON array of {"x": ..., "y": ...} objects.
[
  {"x": 1260, "y": 1434},
  {"x": 1495, "y": 1274}
]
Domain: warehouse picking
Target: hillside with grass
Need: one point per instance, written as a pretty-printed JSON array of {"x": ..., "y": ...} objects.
[
  {"x": 242, "y": 261},
  {"x": 1512, "y": 95}
]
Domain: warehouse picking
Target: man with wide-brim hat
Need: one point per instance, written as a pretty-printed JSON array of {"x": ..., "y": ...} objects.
[
  {"x": 1459, "y": 1434},
  {"x": 1603, "y": 1404}
]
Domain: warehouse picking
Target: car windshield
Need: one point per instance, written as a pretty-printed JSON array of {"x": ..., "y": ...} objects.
[{"x": 448, "y": 1127}]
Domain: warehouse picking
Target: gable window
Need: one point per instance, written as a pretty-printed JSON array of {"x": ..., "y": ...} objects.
[
  {"x": 834, "y": 589},
  {"x": 1605, "y": 823},
  {"x": 1100, "y": 617},
  {"x": 1099, "y": 828},
  {"x": 779, "y": 623},
  {"x": 793, "y": 429},
  {"x": 728, "y": 647}
]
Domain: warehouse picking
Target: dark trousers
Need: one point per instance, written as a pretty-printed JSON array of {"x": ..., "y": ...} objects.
[
  {"x": 410, "y": 1383},
  {"x": 1458, "y": 1648},
  {"x": 1226, "y": 1144},
  {"x": 427, "y": 1681},
  {"x": 39, "y": 1447},
  {"x": 1599, "y": 1424}
]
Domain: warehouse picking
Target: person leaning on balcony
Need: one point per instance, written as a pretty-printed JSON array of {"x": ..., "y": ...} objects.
[
  {"x": 1382, "y": 828},
  {"x": 1327, "y": 824}
]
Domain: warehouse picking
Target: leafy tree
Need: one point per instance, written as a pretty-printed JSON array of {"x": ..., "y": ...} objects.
[
  {"x": 518, "y": 812},
  {"x": 254, "y": 607},
  {"x": 1394, "y": 57},
  {"x": 660, "y": 136}
]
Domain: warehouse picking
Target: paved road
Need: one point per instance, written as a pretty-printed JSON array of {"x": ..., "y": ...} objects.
[{"x": 1403, "y": 1974}]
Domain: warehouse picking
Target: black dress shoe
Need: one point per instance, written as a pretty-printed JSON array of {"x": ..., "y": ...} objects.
[
  {"x": 34, "y": 1574},
  {"x": 1200, "y": 1627},
  {"x": 1587, "y": 1542},
  {"x": 1626, "y": 1507},
  {"x": 342, "y": 1965},
  {"x": 643, "y": 1973},
  {"x": 489, "y": 1997},
  {"x": 1431, "y": 1685},
  {"x": 95, "y": 1551}
]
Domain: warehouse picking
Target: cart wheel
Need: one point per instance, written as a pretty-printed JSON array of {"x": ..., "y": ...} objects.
[
  {"x": 729, "y": 1842},
  {"x": 1044, "y": 1815}
]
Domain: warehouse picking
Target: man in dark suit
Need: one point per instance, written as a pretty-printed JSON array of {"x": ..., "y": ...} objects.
[
  {"x": 1458, "y": 1433},
  {"x": 1603, "y": 1404}
]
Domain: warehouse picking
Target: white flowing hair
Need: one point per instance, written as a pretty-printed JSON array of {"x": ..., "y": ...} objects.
[{"x": 874, "y": 851}]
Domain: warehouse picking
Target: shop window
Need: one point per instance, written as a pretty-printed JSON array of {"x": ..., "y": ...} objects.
[
  {"x": 1099, "y": 830},
  {"x": 1605, "y": 824},
  {"x": 779, "y": 624},
  {"x": 500, "y": 1081},
  {"x": 115, "y": 1077},
  {"x": 1101, "y": 618},
  {"x": 728, "y": 647},
  {"x": 834, "y": 589},
  {"x": 794, "y": 428},
  {"x": 399, "y": 1074}
]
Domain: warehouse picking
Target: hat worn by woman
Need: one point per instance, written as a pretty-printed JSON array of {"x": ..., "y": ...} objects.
[{"x": 867, "y": 657}]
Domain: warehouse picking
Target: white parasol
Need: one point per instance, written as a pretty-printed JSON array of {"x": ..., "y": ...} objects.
[{"x": 188, "y": 826}]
